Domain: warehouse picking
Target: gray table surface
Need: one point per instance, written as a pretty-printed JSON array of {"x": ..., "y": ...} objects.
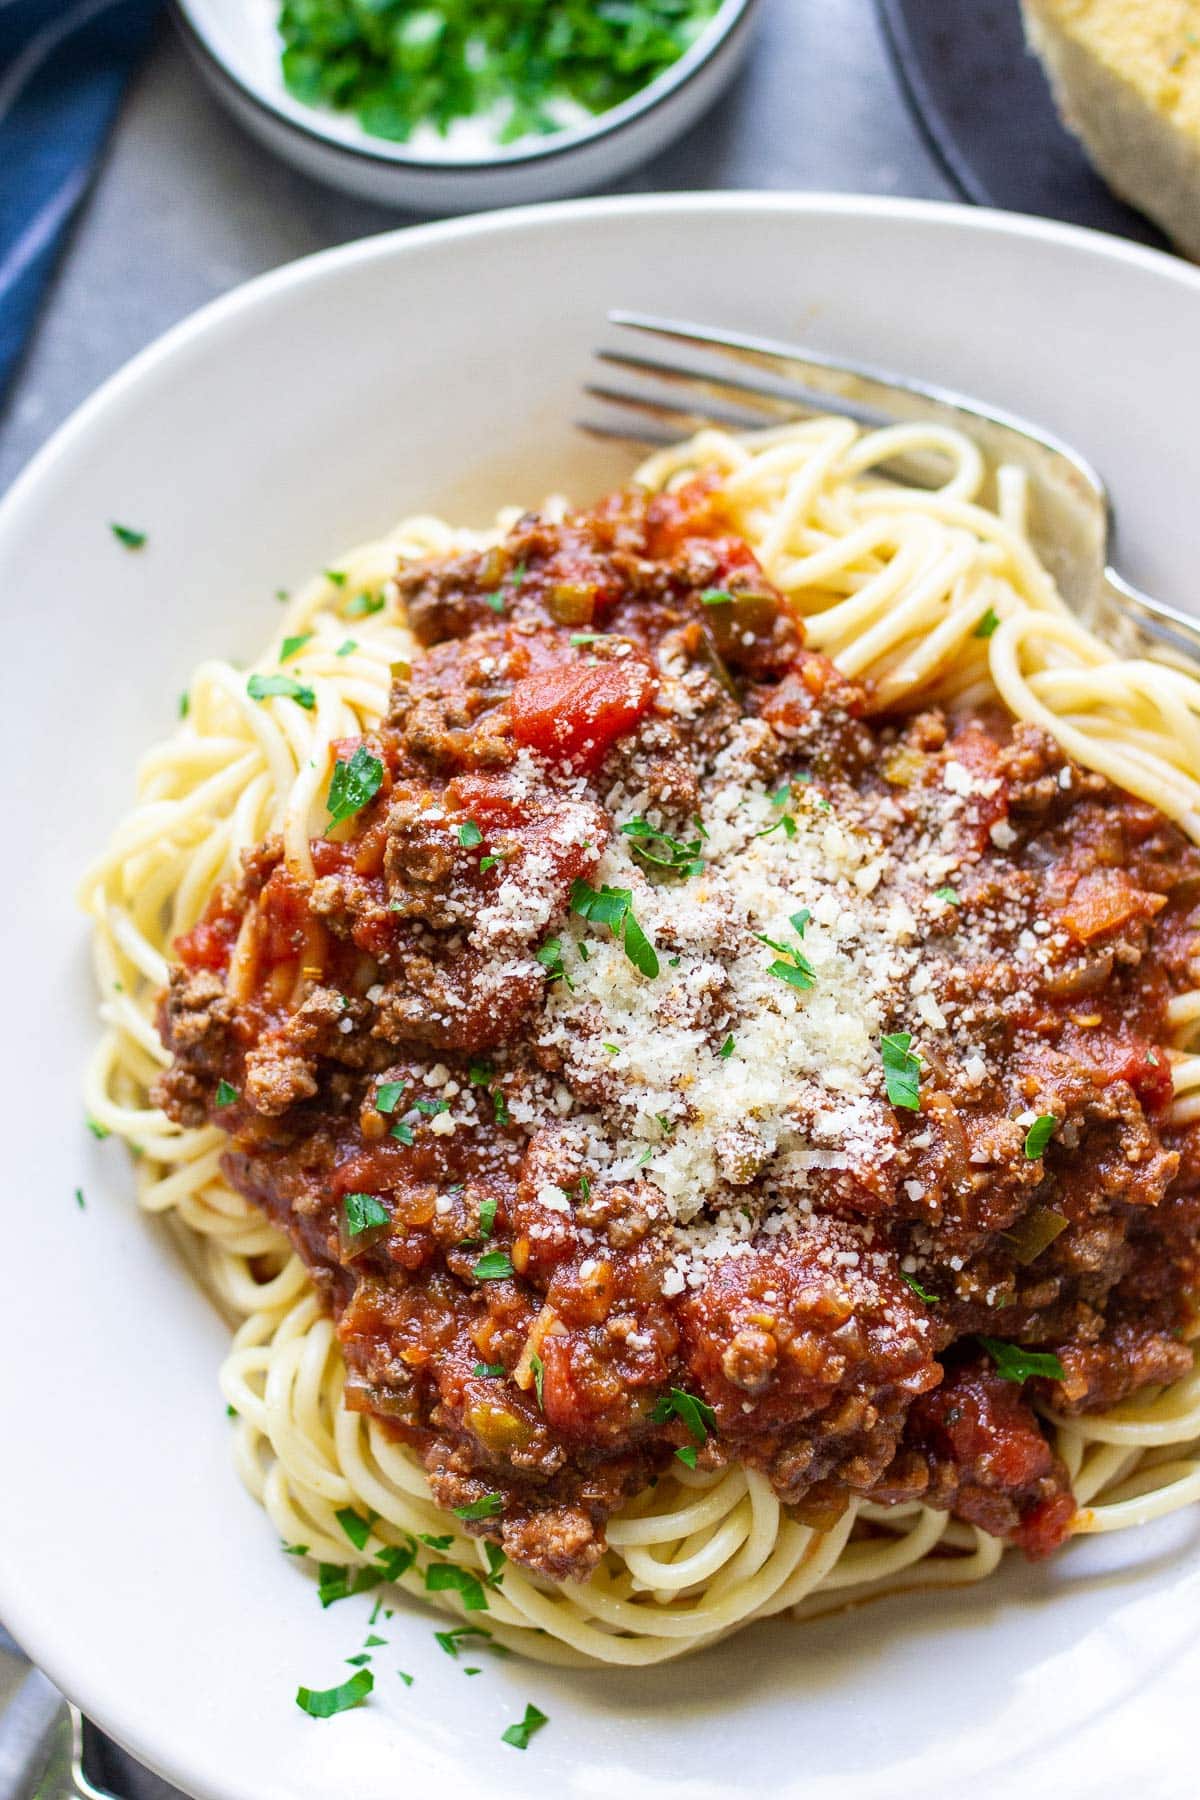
[{"x": 186, "y": 207}]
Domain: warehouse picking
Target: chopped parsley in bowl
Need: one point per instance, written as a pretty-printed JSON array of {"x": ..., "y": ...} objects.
[{"x": 500, "y": 70}]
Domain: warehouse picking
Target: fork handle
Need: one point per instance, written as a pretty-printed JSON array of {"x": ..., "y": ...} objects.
[{"x": 1165, "y": 624}]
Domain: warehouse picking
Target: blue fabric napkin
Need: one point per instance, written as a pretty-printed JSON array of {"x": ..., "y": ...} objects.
[{"x": 63, "y": 66}]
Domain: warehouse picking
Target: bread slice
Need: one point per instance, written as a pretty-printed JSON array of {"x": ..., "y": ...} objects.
[{"x": 1126, "y": 77}]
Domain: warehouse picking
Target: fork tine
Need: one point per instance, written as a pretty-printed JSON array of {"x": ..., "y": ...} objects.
[
  {"x": 756, "y": 353},
  {"x": 682, "y": 422},
  {"x": 627, "y": 434},
  {"x": 778, "y": 398},
  {"x": 682, "y": 419}
]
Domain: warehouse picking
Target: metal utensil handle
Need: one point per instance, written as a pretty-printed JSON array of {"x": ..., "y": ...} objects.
[
  {"x": 1164, "y": 623},
  {"x": 27, "y": 1728}
]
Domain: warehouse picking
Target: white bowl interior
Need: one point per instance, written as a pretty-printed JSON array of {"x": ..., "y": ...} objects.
[{"x": 441, "y": 369}]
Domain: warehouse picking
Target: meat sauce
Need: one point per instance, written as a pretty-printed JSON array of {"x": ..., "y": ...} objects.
[{"x": 508, "y": 1311}]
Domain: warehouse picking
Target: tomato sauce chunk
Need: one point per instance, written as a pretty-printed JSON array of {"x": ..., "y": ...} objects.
[{"x": 575, "y": 712}]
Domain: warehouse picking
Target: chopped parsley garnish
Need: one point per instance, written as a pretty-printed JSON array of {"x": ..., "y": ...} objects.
[
  {"x": 387, "y": 1095},
  {"x": 787, "y": 824},
  {"x": 356, "y": 1662},
  {"x": 612, "y": 906},
  {"x": 336, "y": 1583},
  {"x": 948, "y": 894},
  {"x": 292, "y": 1549},
  {"x": 493, "y": 1371},
  {"x": 487, "y": 1223},
  {"x": 185, "y": 704},
  {"x": 403, "y": 65},
  {"x": 539, "y": 1376},
  {"x": 496, "y": 1265},
  {"x": 901, "y": 1070},
  {"x": 356, "y": 1528},
  {"x": 687, "y": 1455},
  {"x": 519, "y": 1735},
  {"x": 486, "y": 863},
  {"x": 97, "y": 1130},
  {"x": 293, "y": 645},
  {"x": 1015, "y": 1363},
  {"x": 443, "y": 1577},
  {"x": 922, "y": 1293},
  {"x": 431, "y": 1108},
  {"x": 125, "y": 534},
  {"x": 791, "y": 964},
  {"x": 458, "y": 1634},
  {"x": 551, "y": 958},
  {"x": 987, "y": 624},
  {"x": 696, "y": 1415},
  {"x": 661, "y": 851},
  {"x": 395, "y": 1560},
  {"x": 402, "y": 1133},
  {"x": 322, "y": 1703},
  {"x": 264, "y": 687},
  {"x": 485, "y": 1508},
  {"x": 727, "y": 1048},
  {"x": 406, "y": 1679},
  {"x": 80, "y": 1202},
  {"x": 495, "y": 601},
  {"x": 1039, "y": 1134},
  {"x": 579, "y": 639},
  {"x": 496, "y": 1560},
  {"x": 440, "y": 1542},
  {"x": 226, "y": 1093},
  {"x": 363, "y": 605},
  {"x": 353, "y": 785},
  {"x": 346, "y": 648},
  {"x": 337, "y": 576},
  {"x": 480, "y": 1075},
  {"x": 469, "y": 835},
  {"x": 362, "y": 1212},
  {"x": 716, "y": 597}
]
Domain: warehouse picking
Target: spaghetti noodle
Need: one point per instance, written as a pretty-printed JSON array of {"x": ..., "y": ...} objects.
[{"x": 892, "y": 584}]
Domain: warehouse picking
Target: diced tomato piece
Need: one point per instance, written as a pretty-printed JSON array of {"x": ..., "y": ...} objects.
[
  {"x": 574, "y": 712},
  {"x": 374, "y": 1171},
  {"x": 1045, "y": 1525},
  {"x": 983, "y": 1425},
  {"x": 1107, "y": 1058},
  {"x": 343, "y": 748},
  {"x": 691, "y": 511},
  {"x": 330, "y": 858},
  {"x": 1104, "y": 900},
  {"x": 208, "y": 944},
  {"x": 488, "y": 799},
  {"x": 283, "y": 908}
]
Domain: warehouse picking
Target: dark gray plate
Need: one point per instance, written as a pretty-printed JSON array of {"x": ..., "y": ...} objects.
[{"x": 985, "y": 106}]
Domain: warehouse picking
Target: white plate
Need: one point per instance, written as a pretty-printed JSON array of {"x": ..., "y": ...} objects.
[
  {"x": 440, "y": 368},
  {"x": 236, "y": 46}
]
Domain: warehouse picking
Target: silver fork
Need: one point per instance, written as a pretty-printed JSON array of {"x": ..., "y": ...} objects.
[{"x": 770, "y": 383}]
